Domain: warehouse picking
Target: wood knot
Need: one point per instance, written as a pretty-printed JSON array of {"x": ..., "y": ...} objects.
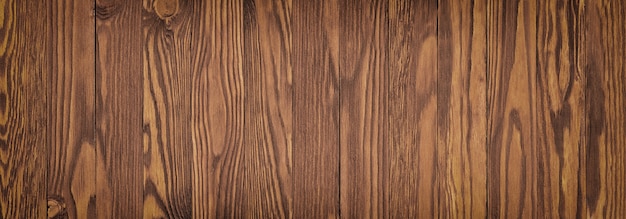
[
  {"x": 56, "y": 207},
  {"x": 165, "y": 8}
]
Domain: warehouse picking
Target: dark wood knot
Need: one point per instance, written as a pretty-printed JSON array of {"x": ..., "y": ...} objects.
[
  {"x": 165, "y": 8},
  {"x": 56, "y": 207}
]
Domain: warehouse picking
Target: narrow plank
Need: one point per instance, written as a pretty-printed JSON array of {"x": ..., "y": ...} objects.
[
  {"x": 119, "y": 158},
  {"x": 25, "y": 49},
  {"x": 315, "y": 109},
  {"x": 462, "y": 107},
  {"x": 603, "y": 63},
  {"x": 169, "y": 62},
  {"x": 410, "y": 157},
  {"x": 511, "y": 103},
  {"x": 217, "y": 113},
  {"x": 265, "y": 178},
  {"x": 560, "y": 108},
  {"x": 363, "y": 69},
  {"x": 72, "y": 150}
]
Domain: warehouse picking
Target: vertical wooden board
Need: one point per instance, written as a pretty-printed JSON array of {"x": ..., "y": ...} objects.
[
  {"x": 119, "y": 167},
  {"x": 511, "y": 120},
  {"x": 462, "y": 107},
  {"x": 315, "y": 109},
  {"x": 217, "y": 113},
  {"x": 560, "y": 108},
  {"x": 604, "y": 67},
  {"x": 24, "y": 71},
  {"x": 363, "y": 82},
  {"x": 72, "y": 150},
  {"x": 265, "y": 179},
  {"x": 170, "y": 58},
  {"x": 410, "y": 156}
]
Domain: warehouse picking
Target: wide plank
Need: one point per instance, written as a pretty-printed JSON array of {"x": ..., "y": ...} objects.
[
  {"x": 267, "y": 79},
  {"x": 511, "y": 103},
  {"x": 217, "y": 113},
  {"x": 72, "y": 151},
  {"x": 603, "y": 58},
  {"x": 119, "y": 118},
  {"x": 560, "y": 107},
  {"x": 25, "y": 48},
  {"x": 363, "y": 83},
  {"x": 315, "y": 58},
  {"x": 410, "y": 161},
  {"x": 462, "y": 108},
  {"x": 169, "y": 55}
]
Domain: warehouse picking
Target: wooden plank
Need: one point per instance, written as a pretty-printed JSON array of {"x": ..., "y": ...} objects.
[
  {"x": 315, "y": 109},
  {"x": 218, "y": 113},
  {"x": 268, "y": 114},
  {"x": 462, "y": 107},
  {"x": 119, "y": 180},
  {"x": 72, "y": 150},
  {"x": 410, "y": 157},
  {"x": 169, "y": 62},
  {"x": 511, "y": 103},
  {"x": 560, "y": 108},
  {"x": 363, "y": 67},
  {"x": 603, "y": 63},
  {"x": 25, "y": 49}
]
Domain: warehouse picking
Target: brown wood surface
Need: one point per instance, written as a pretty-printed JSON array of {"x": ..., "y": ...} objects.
[
  {"x": 72, "y": 148},
  {"x": 169, "y": 61},
  {"x": 315, "y": 65},
  {"x": 461, "y": 108},
  {"x": 24, "y": 99},
  {"x": 603, "y": 161},
  {"x": 312, "y": 109},
  {"x": 411, "y": 185},
  {"x": 119, "y": 155},
  {"x": 363, "y": 84}
]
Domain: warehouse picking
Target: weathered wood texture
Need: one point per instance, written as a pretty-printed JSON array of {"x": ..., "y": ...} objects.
[
  {"x": 24, "y": 100},
  {"x": 72, "y": 149}
]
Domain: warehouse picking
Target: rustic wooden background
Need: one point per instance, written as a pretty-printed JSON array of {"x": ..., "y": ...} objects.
[{"x": 312, "y": 109}]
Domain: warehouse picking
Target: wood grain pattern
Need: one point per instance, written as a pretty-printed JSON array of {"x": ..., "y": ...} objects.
[
  {"x": 315, "y": 61},
  {"x": 410, "y": 158},
  {"x": 560, "y": 105},
  {"x": 312, "y": 109},
  {"x": 604, "y": 54},
  {"x": 24, "y": 89},
  {"x": 72, "y": 149},
  {"x": 363, "y": 67},
  {"x": 462, "y": 107},
  {"x": 512, "y": 114},
  {"x": 218, "y": 113},
  {"x": 265, "y": 161},
  {"x": 169, "y": 62},
  {"x": 119, "y": 180}
]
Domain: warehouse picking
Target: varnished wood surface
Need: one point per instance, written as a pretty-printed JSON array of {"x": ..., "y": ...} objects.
[{"x": 312, "y": 109}]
